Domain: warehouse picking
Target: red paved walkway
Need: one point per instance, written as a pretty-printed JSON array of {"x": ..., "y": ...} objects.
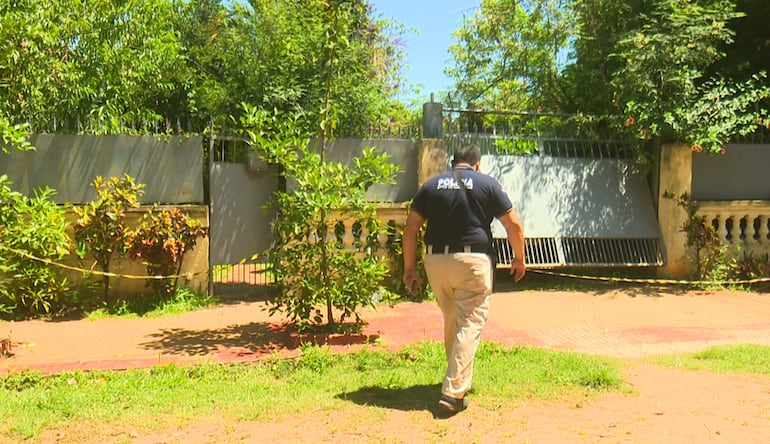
[{"x": 627, "y": 324}]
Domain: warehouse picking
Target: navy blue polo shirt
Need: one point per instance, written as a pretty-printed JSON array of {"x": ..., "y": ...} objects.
[{"x": 452, "y": 219}]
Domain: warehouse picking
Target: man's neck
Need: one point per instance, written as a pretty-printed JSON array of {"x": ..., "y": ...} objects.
[{"x": 463, "y": 165}]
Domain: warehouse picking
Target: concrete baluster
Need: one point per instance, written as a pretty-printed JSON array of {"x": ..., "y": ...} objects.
[
  {"x": 735, "y": 229},
  {"x": 331, "y": 236},
  {"x": 347, "y": 237},
  {"x": 722, "y": 227},
  {"x": 364, "y": 237},
  {"x": 382, "y": 240},
  {"x": 750, "y": 231},
  {"x": 763, "y": 229}
]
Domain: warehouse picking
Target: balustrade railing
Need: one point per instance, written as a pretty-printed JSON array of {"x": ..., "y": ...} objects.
[
  {"x": 742, "y": 224},
  {"x": 353, "y": 237}
]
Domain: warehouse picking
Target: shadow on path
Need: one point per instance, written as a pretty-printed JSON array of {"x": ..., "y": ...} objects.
[
  {"x": 257, "y": 337},
  {"x": 249, "y": 339}
]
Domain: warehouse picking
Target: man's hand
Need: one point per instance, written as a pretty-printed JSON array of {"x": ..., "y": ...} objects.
[
  {"x": 518, "y": 269},
  {"x": 412, "y": 281}
]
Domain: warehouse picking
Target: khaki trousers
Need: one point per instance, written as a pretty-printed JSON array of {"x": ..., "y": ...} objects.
[{"x": 462, "y": 283}]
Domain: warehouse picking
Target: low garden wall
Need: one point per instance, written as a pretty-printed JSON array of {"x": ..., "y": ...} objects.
[{"x": 195, "y": 265}]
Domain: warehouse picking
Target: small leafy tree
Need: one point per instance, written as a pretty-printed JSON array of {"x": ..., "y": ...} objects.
[
  {"x": 100, "y": 229},
  {"x": 315, "y": 266},
  {"x": 308, "y": 255},
  {"x": 31, "y": 227},
  {"x": 161, "y": 241}
]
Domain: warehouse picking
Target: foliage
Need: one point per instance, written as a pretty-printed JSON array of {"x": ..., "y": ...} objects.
[
  {"x": 156, "y": 65},
  {"x": 314, "y": 267},
  {"x": 180, "y": 300},
  {"x": 394, "y": 282},
  {"x": 273, "y": 55},
  {"x": 311, "y": 256},
  {"x": 723, "y": 111},
  {"x": 753, "y": 266},
  {"x": 161, "y": 241},
  {"x": 13, "y": 136},
  {"x": 37, "y": 227},
  {"x": 746, "y": 359},
  {"x": 89, "y": 66},
  {"x": 100, "y": 230},
  {"x": 749, "y": 51},
  {"x": 664, "y": 70},
  {"x": 661, "y": 78},
  {"x": 510, "y": 54}
]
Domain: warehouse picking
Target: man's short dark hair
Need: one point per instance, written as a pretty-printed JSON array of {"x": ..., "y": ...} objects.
[{"x": 469, "y": 154}]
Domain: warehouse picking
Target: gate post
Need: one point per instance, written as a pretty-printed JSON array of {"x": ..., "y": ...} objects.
[
  {"x": 675, "y": 166},
  {"x": 432, "y": 114},
  {"x": 431, "y": 159},
  {"x": 432, "y": 149}
]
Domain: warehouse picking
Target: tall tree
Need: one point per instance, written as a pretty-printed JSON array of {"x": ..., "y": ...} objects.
[
  {"x": 510, "y": 54},
  {"x": 102, "y": 65},
  {"x": 659, "y": 66},
  {"x": 98, "y": 63},
  {"x": 749, "y": 52}
]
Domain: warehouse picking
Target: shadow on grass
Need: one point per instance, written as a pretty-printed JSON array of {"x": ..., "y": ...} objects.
[{"x": 413, "y": 398}]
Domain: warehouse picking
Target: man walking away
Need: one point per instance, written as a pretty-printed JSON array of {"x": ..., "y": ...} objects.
[{"x": 458, "y": 206}]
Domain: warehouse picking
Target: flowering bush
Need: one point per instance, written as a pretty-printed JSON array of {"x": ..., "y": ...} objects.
[{"x": 160, "y": 242}]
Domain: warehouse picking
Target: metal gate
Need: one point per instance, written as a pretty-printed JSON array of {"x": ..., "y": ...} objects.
[
  {"x": 240, "y": 188},
  {"x": 582, "y": 199}
]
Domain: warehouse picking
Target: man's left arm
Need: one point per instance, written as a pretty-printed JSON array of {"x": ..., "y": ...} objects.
[{"x": 515, "y": 231}]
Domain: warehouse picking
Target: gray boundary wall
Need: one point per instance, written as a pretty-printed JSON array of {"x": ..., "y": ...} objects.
[
  {"x": 402, "y": 152},
  {"x": 741, "y": 173},
  {"x": 171, "y": 167}
]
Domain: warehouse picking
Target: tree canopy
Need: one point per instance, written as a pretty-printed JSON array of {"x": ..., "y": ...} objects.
[
  {"x": 692, "y": 70},
  {"x": 107, "y": 66}
]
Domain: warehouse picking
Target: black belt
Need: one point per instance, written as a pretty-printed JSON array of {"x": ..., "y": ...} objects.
[{"x": 446, "y": 249}]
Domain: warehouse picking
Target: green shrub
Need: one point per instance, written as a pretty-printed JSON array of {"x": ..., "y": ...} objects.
[
  {"x": 100, "y": 229},
  {"x": 31, "y": 227},
  {"x": 309, "y": 257}
]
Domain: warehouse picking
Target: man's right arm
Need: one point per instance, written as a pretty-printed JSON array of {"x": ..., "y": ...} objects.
[
  {"x": 409, "y": 245},
  {"x": 515, "y": 232}
]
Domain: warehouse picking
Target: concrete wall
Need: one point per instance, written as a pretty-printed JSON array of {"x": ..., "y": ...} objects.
[
  {"x": 195, "y": 263},
  {"x": 402, "y": 152},
  {"x": 741, "y": 173},
  {"x": 675, "y": 178},
  {"x": 171, "y": 167},
  {"x": 738, "y": 178}
]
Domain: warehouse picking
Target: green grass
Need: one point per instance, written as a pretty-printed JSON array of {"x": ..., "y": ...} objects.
[
  {"x": 318, "y": 380},
  {"x": 183, "y": 300},
  {"x": 746, "y": 359}
]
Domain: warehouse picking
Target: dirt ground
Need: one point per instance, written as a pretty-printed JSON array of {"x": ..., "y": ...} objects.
[{"x": 663, "y": 405}]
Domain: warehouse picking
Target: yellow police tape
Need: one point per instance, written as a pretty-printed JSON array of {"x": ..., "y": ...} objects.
[
  {"x": 99, "y": 273},
  {"x": 653, "y": 281},
  {"x": 551, "y": 273}
]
